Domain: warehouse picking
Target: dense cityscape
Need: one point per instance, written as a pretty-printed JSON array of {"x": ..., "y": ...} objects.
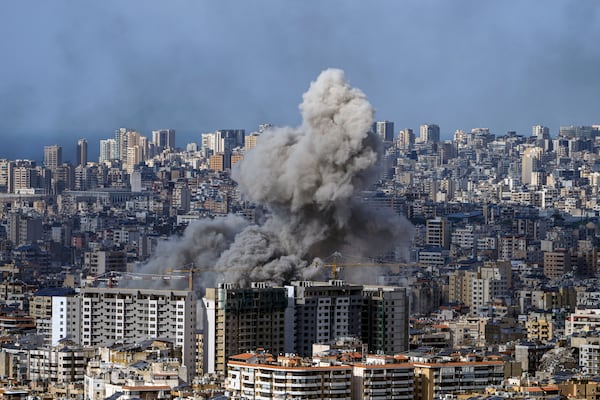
[{"x": 344, "y": 259}]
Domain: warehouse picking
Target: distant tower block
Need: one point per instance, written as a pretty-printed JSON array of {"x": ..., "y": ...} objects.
[
  {"x": 52, "y": 156},
  {"x": 82, "y": 152},
  {"x": 429, "y": 133},
  {"x": 251, "y": 141},
  {"x": 406, "y": 139},
  {"x": 385, "y": 130},
  {"x": 164, "y": 139}
]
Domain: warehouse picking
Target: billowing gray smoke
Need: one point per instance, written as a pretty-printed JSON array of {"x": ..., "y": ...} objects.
[{"x": 307, "y": 179}]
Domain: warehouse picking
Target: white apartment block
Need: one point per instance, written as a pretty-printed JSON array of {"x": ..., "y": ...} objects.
[
  {"x": 57, "y": 313},
  {"x": 291, "y": 379},
  {"x": 261, "y": 376},
  {"x": 589, "y": 358},
  {"x": 121, "y": 315},
  {"x": 582, "y": 320}
]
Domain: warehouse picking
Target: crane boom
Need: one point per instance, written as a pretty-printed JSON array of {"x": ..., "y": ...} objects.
[
  {"x": 335, "y": 265},
  {"x": 189, "y": 269}
]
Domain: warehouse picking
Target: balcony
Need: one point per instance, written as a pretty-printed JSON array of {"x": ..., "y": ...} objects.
[
  {"x": 303, "y": 392},
  {"x": 336, "y": 385},
  {"x": 375, "y": 392}
]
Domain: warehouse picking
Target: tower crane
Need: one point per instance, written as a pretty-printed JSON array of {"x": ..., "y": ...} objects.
[
  {"x": 335, "y": 265},
  {"x": 189, "y": 269},
  {"x": 112, "y": 278}
]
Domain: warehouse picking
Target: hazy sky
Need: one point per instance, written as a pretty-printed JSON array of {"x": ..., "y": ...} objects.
[{"x": 73, "y": 69}]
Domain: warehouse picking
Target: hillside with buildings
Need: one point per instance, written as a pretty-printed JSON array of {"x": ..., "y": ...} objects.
[{"x": 334, "y": 260}]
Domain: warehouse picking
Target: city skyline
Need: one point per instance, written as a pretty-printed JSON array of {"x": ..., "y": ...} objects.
[{"x": 80, "y": 70}]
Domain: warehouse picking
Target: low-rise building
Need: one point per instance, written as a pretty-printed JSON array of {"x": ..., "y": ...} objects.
[
  {"x": 540, "y": 327},
  {"x": 586, "y": 319},
  {"x": 60, "y": 364},
  {"x": 147, "y": 379},
  {"x": 258, "y": 376},
  {"x": 383, "y": 378},
  {"x": 434, "y": 380}
]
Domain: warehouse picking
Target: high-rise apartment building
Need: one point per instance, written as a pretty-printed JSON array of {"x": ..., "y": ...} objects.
[
  {"x": 181, "y": 197},
  {"x": 6, "y": 167},
  {"x": 385, "y": 130},
  {"x": 108, "y": 150},
  {"x": 385, "y": 319},
  {"x": 325, "y": 311},
  {"x": 52, "y": 156},
  {"x": 251, "y": 141},
  {"x": 541, "y": 132},
  {"x": 233, "y": 138},
  {"x": 217, "y": 162},
  {"x": 530, "y": 163},
  {"x": 429, "y": 133},
  {"x": 85, "y": 178},
  {"x": 63, "y": 177},
  {"x": 82, "y": 152},
  {"x": 437, "y": 232},
  {"x": 23, "y": 229},
  {"x": 123, "y": 315},
  {"x": 120, "y": 143},
  {"x": 23, "y": 176},
  {"x": 164, "y": 139},
  {"x": 292, "y": 319},
  {"x": 134, "y": 139},
  {"x": 240, "y": 320},
  {"x": 135, "y": 155},
  {"x": 98, "y": 261},
  {"x": 223, "y": 140},
  {"x": 572, "y": 131},
  {"x": 406, "y": 139},
  {"x": 207, "y": 143}
]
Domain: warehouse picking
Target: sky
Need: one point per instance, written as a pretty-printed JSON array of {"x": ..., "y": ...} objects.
[{"x": 82, "y": 68}]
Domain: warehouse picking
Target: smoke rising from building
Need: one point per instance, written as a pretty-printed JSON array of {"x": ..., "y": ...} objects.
[{"x": 307, "y": 178}]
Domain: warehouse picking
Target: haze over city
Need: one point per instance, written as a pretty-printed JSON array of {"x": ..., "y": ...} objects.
[
  {"x": 336, "y": 200},
  {"x": 83, "y": 69}
]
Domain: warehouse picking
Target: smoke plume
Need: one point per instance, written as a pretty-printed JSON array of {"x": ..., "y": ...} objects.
[{"x": 307, "y": 178}]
